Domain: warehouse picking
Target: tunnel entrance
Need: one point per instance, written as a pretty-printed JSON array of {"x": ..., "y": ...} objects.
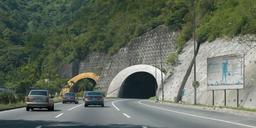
[
  {"x": 82, "y": 85},
  {"x": 140, "y": 85}
]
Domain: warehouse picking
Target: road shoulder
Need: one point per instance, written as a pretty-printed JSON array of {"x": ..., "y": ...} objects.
[{"x": 209, "y": 108}]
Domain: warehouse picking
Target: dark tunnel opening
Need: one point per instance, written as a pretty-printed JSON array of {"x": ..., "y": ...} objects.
[
  {"x": 86, "y": 84},
  {"x": 140, "y": 85}
]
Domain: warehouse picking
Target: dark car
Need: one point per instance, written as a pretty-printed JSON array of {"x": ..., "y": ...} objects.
[
  {"x": 39, "y": 99},
  {"x": 69, "y": 97},
  {"x": 93, "y": 98}
]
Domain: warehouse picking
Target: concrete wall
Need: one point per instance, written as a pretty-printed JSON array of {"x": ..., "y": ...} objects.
[
  {"x": 245, "y": 45},
  {"x": 142, "y": 50},
  {"x": 146, "y": 50}
]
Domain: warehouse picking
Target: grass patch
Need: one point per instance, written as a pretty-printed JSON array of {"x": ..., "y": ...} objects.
[
  {"x": 57, "y": 99},
  {"x": 152, "y": 98},
  {"x": 172, "y": 58},
  {"x": 227, "y": 107},
  {"x": 22, "y": 104},
  {"x": 243, "y": 109},
  {"x": 168, "y": 101},
  {"x": 208, "y": 106},
  {"x": 11, "y": 106}
]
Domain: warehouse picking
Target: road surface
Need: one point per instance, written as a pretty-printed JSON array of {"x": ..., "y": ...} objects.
[{"x": 123, "y": 113}]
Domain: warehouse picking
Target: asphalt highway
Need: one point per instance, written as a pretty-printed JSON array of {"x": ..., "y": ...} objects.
[{"x": 123, "y": 113}]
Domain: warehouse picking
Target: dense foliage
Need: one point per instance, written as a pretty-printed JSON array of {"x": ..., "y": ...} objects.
[
  {"x": 38, "y": 36},
  {"x": 7, "y": 97}
]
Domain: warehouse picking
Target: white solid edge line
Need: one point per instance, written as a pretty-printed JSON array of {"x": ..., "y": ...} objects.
[
  {"x": 11, "y": 110},
  {"x": 74, "y": 107},
  {"x": 115, "y": 105},
  {"x": 59, "y": 115},
  {"x": 202, "y": 117},
  {"x": 126, "y": 115}
]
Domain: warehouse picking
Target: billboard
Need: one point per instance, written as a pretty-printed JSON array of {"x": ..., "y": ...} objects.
[{"x": 225, "y": 72}]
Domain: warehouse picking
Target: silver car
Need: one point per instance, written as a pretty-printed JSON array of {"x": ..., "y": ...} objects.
[
  {"x": 93, "y": 98},
  {"x": 39, "y": 99}
]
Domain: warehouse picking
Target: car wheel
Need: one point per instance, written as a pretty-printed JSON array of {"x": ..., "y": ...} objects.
[
  {"x": 32, "y": 109},
  {"x": 27, "y": 108},
  {"x": 63, "y": 102},
  {"x": 52, "y": 108},
  {"x": 76, "y": 102},
  {"x": 102, "y": 105},
  {"x": 85, "y": 105}
]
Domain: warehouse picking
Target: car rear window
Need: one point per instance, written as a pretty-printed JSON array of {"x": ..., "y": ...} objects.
[
  {"x": 42, "y": 93},
  {"x": 93, "y": 93}
]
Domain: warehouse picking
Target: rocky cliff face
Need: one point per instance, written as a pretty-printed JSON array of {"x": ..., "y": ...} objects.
[{"x": 243, "y": 45}]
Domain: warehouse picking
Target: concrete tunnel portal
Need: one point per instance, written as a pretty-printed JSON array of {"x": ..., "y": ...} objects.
[
  {"x": 140, "y": 85},
  {"x": 137, "y": 81}
]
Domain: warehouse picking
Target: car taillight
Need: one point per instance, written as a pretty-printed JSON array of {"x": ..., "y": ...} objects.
[{"x": 87, "y": 98}]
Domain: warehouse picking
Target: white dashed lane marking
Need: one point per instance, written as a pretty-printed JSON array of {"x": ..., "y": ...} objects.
[
  {"x": 59, "y": 115},
  {"x": 115, "y": 106},
  {"x": 126, "y": 115},
  {"x": 74, "y": 107}
]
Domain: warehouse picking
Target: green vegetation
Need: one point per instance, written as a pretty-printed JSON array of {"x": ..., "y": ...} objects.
[
  {"x": 38, "y": 37},
  {"x": 172, "y": 58},
  {"x": 8, "y": 97},
  {"x": 226, "y": 18},
  {"x": 227, "y": 107},
  {"x": 19, "y": 104},
  {"x": 85, "y": 85},
  {"x": 11, "y": 105},
  {"x": 205, "y": 106},
  {"x": 152, "y": 98}
]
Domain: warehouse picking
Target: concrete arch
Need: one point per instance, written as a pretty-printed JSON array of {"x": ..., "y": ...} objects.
[
  {"x": 78, "y": 77},
  {"x": 116, "y": 83}
]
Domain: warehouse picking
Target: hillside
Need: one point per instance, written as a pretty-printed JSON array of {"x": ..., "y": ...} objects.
[{"x": 37, "y": 37}]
